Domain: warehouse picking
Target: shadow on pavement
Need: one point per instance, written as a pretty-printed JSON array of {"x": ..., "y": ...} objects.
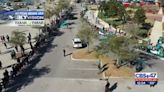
[
  {"x": 10, "y": 47},
  {"x": 57, "y": 33},
  {"x": 148, "y": 60},
  {"x": 8, "y": 51},
  {"x": 147, "y": 57},
  {"x": 29, "y": 73},
  {"x": 71, "y": 23},
  {"x": 74, "y": 13},
  {"x": 68, "y": 54},
  {"x": 113, "y": 87},
  {"x": 72, "y": 17},
  {"x": 27, "y": 78}
]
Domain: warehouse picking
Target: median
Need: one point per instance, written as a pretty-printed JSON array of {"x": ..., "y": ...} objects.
[{"x": 111, "y": 70}]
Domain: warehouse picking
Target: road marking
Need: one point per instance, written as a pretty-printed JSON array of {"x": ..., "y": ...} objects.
[
  {"x": 83, "y": 69},
  {"x": 78, "y": 79}
]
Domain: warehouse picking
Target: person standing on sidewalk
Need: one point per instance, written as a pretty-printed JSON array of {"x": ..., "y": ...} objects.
[
  {"x": 107, "y": 86},
  {"x": 16, "y": 48},
  {"x": 1, "y": 88},
  {"x": 5, "y": 44},
  {"x": 18, "y": 60},
  {"x": 64, "y": 51},
  {"x": 29, "y": 34},
  {"x": 8, "y": 38},
  {"x": 3, "y": 37},
  {"x": 99, "y": 65},
  {"x": 0, "y": 64},
  {"x": 29, "y": 38}
]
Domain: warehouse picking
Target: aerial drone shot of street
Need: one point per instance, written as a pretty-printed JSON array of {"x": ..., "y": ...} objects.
[{"x": 81, "y": 45}]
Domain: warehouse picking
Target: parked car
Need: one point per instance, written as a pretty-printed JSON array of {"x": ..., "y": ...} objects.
[{"x": 77, "y": 43}]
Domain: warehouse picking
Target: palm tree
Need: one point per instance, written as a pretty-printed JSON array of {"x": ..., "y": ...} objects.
[{"x": 18, "y": 39}]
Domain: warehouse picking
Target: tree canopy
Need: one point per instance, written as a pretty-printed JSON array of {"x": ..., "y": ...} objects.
[
  {"x": 121, "y": 47},
  {"x": 48, "y": 13},
  {"x": 113, "y": 8},
  {"x": 62, "y": 4},
  {"x": 18, "y": 38},
  {"x": 86, "y": 33},
  {"x": 140, "y": 16}
]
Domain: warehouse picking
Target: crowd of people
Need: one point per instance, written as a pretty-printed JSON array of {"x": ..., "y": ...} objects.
[
  {"x": 24, "y": 61},
  {"x": 16, "y": 68},
  {"x": 5, "y": 39}
]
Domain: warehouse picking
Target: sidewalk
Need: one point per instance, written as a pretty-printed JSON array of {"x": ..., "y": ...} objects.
[
  {"x": 92, "y": 17},
  {"x": 5, "y": 56},
  {"x": 156, "y": 30}
]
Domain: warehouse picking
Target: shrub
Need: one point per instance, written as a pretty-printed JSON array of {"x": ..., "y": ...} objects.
[{"x": 142, "y": 33}]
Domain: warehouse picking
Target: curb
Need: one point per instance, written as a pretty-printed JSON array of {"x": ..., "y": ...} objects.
[
  {"x": 86, "y": 60},
  {"x": 111, "y": 77},
  {"x": 151, "y": 54}
]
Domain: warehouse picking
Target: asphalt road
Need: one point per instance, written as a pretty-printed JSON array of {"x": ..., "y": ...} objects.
[{"x": 53, "y": 72}]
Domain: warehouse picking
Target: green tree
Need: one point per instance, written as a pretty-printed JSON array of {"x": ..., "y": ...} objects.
[
  {"x": 121, "y": 12},
  {"x": 86, "y": 33},
  {"x": 139, "y": 16},
  {"x": 101, "y": 6},
  {"x": 112, "y": 8},
  {"x": 132, "y": 29},
  {"x": 57, "y": 11},
  {"x": 62, "y": 4},
  {"x": 162, "y": 5},
  {"x": 121, "y": 47},
  {"x": 18, "y": 39},
  {"x": 48, "y": 13},
  {"x": 135, "y": 32}
]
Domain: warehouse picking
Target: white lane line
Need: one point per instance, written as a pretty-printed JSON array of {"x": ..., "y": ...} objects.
[
  {"x": 83, "y": 69},
  {"x": 79, "y": 79}
]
